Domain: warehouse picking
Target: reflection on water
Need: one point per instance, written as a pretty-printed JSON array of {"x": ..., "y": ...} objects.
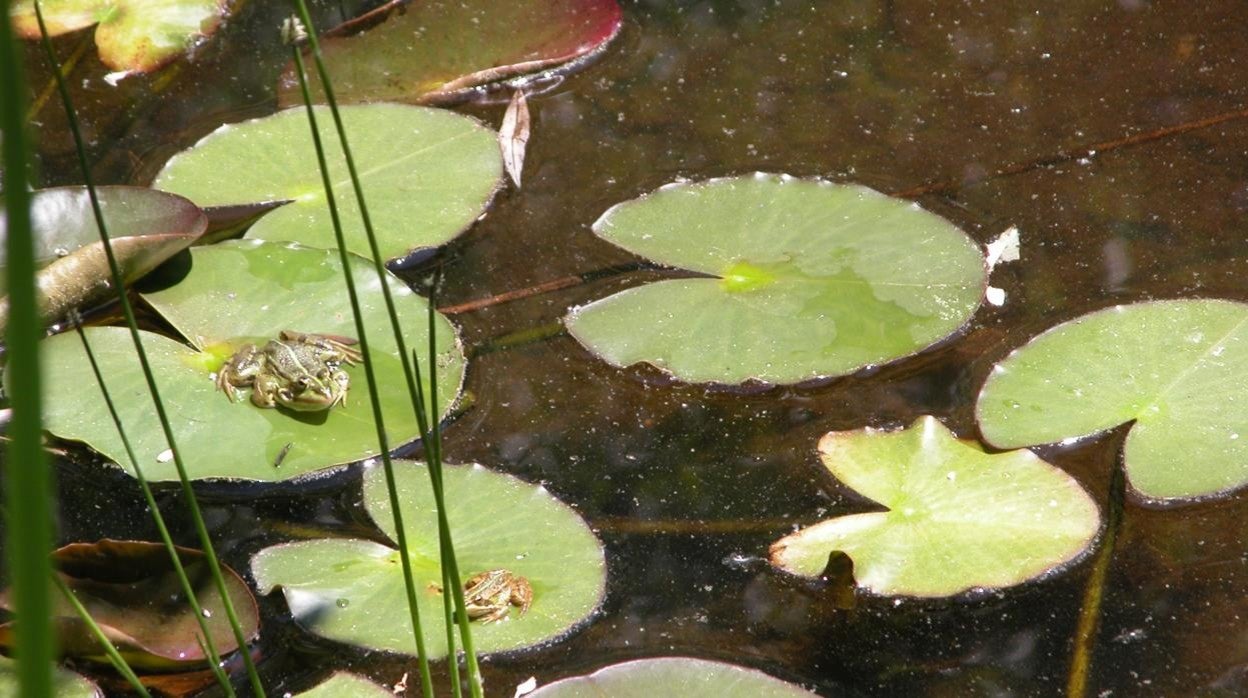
[{"x": 688, "y": 486}]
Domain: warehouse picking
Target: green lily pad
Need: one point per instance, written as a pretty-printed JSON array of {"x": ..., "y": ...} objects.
[
  {"x": 344, "y": 685},
  {"x": 236, "y": 293},
  {"x": 131, "y": 591},
  {"x": 67, "y": 683},
  {"x": 427, "y": 174},
  {"x": 352, "y": 590},
  {"x": 957, "y": 518},
  {"x": 145, "y": 226},
  {"x": 1178, "y": 369},
  {"x": 808, "y": 279},
  {"x": 134, "y": 35},
  {"x": 437, "y": 51},
  {"x": 672, "y": 676}
]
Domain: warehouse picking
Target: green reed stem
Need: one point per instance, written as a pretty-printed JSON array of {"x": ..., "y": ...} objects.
[
  {"x": 431, "y": 433},
  {"x": 29, "y": 482},
  {"x": 210, "y": 649},
  {"x": 119, "y": 662},
  {"x": 445, "y": 543},
  {"x": 205, "y": 540},
  {"x": 409, "y": 580}
]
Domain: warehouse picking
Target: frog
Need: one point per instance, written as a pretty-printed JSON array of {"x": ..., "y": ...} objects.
[
  {"x": 489, "y": 595},
  {"x": 299, "y": 371}
]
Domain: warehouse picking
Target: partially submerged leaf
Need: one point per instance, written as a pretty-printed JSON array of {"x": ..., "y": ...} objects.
[
  {"x": 1177, "y": 369},
  {"x": 145, "y": 226},
  {"x": 239, "y": 292},
  {"x": 133, "y": 594},
  {"x": 344, "y": 685},
  {"x": 437, "y": 51},
  {"x": 133, "y": 35},
  {"x": 513, "y": 135},
  {"x": 352, "y": 590},
  {"x": 67, "y": 683},
  {"x": 672, "y": 676},
  {"x": 957, "y": 518},
  {"x": 427, "y": 174},
  {"x": 807, "y": 279}
]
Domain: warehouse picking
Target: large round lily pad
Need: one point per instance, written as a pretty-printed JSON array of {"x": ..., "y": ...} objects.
[
  {"x": 1177, "y": 369},
  {"x": 427, "y": 175},
  {"x": 67, "y": 683},
  {"x": 237, "y": 293},
  {"x": 808, "y": 279},
  {"x": 145, "y": 227},
  {"x": 137, "y": 35},
  {"x": 672, "y": 676},
  {"x": 352, "y": 590},
  {"x": 436, "y": 51},
  {"x": 957, "y": 518}
]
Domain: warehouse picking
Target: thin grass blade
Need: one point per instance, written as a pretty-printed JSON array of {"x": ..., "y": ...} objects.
[{"x": 188, "y": 493}]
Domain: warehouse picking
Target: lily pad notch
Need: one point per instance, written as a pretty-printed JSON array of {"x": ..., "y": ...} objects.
[
  {"x": 1177, "y": 370},
  {"x": 958, "y": 518},
  {"x": 804, "y": 279}
]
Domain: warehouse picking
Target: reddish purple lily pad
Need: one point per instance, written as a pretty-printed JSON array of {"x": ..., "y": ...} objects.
[
  {"x": 146, "y": 227},
  {"x": 441, "y": 51},
  {"x": 130, "y": 589}
]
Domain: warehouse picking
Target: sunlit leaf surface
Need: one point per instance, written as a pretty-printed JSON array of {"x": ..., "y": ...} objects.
[
  {"x": 343, "y": 685},
  {"x": 806, "y": 279},
  {"x": 672, "y": 676},
  {"x": 352, "y": 590},
  {"x": 146, "y": 227},
  {"x": 131, "y": 591},
  {"x": 436, "y": 51},
  {"x": 427, "y": 175},
  {"x": 135, "y": 35},
  {"x": 67, "y": 683},
  {"x": 1177, "y": 369},
  {"x": 957, "y": 518},
  {"x": 237, "y": 293}
]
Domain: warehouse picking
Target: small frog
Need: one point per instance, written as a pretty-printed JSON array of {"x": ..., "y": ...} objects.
[
  {"x": 298, "y": 371},
  {"x": 489, "y": 595}
]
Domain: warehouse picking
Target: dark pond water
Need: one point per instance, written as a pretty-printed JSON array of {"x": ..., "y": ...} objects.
[{"x": 687, "y": 486}]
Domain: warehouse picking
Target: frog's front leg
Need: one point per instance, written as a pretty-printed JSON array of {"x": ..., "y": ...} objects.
[
  {"x": 240, "y": 370},
  {"x": 265, "y": 390}
]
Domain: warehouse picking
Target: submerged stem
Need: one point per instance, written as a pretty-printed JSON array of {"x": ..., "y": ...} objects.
[{"x": 1094, "y": 593}]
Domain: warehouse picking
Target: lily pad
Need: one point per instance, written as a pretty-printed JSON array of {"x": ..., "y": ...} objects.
[
  {"x": 67, "y": 683},
  {"x": 807, "y": 279},
  {"x": 146, "y": 227},
  {"x": 352, "y": 590},
  {"x": 957, "y": 518},
  {"x": 672, "y": 676},
  {"x": 1177, "y": 369},
  {"x": 131, "y": 591},
  {"x": 427, "y": 174},
  {"x": 235, "y": 293},
  {"x": 344, "y": 685},
  {"x": 133, "y": 35},
  {"x": 437, "y": 51}
]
